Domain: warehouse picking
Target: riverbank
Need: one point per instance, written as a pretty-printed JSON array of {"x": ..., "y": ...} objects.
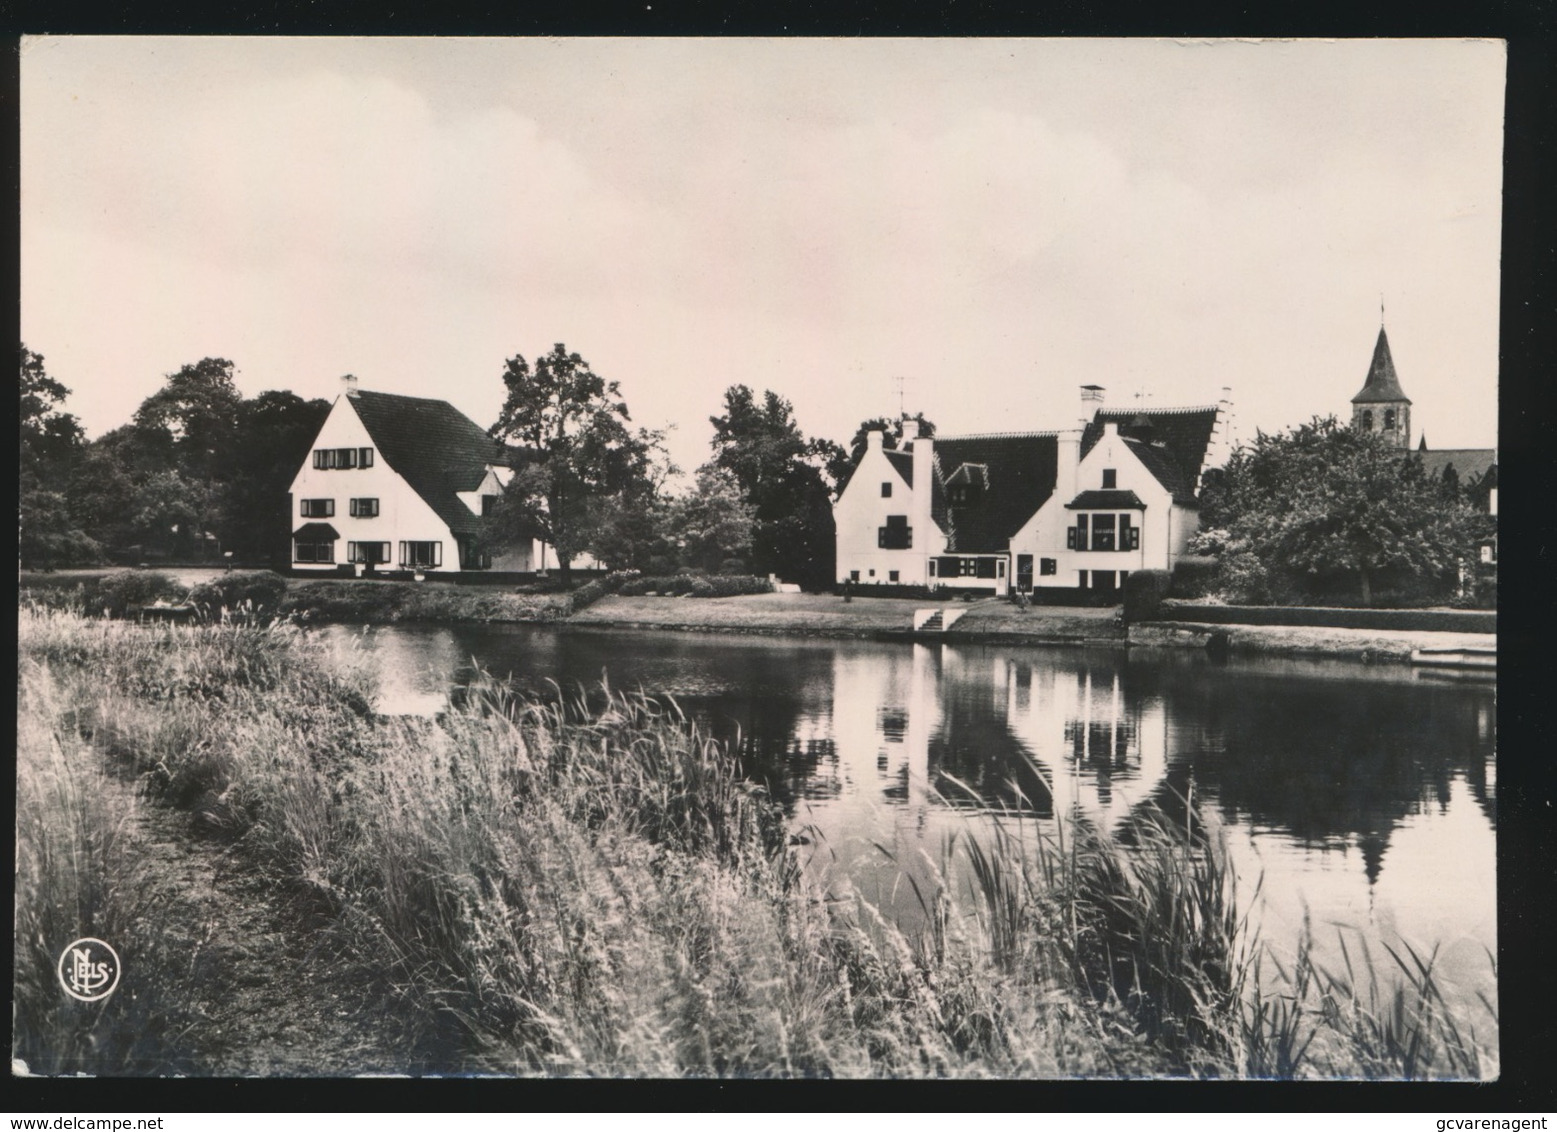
[
  {"x": 992, "y": 621},
  {"x": 825, "y": 615},
  {"x": 519, "y": 889}
]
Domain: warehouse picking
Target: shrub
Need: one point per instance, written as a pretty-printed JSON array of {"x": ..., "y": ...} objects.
[
  {"x": 1143, "y": 594},
  {"x": 118, "y": 592},
  {"x": 733, "y": 566},
  {"x": 1195, "y": 577},
  {"x": 260, "y": 589}
]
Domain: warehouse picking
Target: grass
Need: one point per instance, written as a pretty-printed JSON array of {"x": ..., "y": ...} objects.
[{"x": 550, "y": 888}]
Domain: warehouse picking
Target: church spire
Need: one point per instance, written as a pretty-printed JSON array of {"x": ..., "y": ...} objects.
[{"x": 1381, "y": 406}]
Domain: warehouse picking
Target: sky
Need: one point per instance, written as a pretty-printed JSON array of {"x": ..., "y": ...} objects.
[{"x": 994, "y": 222}]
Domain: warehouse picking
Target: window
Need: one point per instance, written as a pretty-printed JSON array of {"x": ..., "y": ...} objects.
[
  {"x": 419, "y": 555},
  {"x": 1102, "y": 532},
  {"x": 891, "y": 575},
  {"x": 331, "y": 458},
  {"x": 1000, "y": 567},
  {"x": 932, "y": 567},
  {"x": 1389, "y": 418},
  {"x": 364, "y": 508},
  {"x": 314, "y": 551},
  {"x": 886, "y": 490},
  {"x": 896, "y": 535},
  {"x": 1048, "y": 567},
  {"x": 368, "y": 552},
  {"x": 1110, "y": 478},
  {"x": 1367, "y": 419},
  {"x": 873, "y": 573},
  {"x": 318, "y": 508},
  {"x": 489, "y": 504},
  {"x": 854, "y": 575},
  {"x": 984, "y": 567},
  {"x": 1129, "y": 536}
]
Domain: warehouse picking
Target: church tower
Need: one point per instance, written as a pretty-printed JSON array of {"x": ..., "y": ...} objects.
[{"x": 1381, "y": 406}]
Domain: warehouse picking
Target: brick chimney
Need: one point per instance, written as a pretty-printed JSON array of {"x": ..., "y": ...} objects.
[{"x": 349, "y": 384}]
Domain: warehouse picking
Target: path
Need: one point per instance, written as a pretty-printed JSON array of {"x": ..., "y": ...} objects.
[{"x": 267, "y": 1000}]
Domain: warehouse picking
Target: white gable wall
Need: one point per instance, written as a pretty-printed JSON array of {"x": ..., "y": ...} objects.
[
  {"x": 861, "y": 511},
  {"x": 403, "y": 514},
  {"x": 1165, "y": 527}
]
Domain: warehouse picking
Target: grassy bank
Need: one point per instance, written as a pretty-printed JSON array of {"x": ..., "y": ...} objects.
[{"x": 530, "y": 888}]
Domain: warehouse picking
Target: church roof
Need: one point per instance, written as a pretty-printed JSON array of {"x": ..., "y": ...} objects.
[
  {"x": 1382, "y": 384},
  {"x": 1469, "y": 463}
]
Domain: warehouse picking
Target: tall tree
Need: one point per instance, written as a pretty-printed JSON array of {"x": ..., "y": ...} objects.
[
  {"x": 48, "y": 438},
  {"x": 1325, "y": 499},
  {"x": 577, "y": 426},
  {"x": 273, "y": 432},
  {"x": 842, "y": 460},
  {"x": 783, "y": 476}
]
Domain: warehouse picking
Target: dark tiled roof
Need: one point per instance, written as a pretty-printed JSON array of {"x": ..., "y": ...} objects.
[
  {"x": 1107, "y": 501},
  {"x": 903, "y": 462},
  {"x": 1469, "y": 463},
  {"x": 316, "y": 531},
  {"x": 437, "y": 449},
  {"x": 1382, "y": 384},
  {"x": 971, "y": 475},
  {"x": 1172, "y": 443},
  {"x": 1020, "y": 472}
]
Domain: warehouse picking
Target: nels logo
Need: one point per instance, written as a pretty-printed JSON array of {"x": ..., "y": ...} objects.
[{"x": 89, "y": 970}]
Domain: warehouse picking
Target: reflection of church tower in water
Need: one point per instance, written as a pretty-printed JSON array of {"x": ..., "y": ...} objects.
[{"x": 1381, "y": 407}]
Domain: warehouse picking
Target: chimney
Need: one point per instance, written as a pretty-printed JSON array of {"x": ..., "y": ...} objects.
[
  {"x": 1067, "y": 465},
  {"x": 910, "y": 431},
  {"x": 873, "y": 439},
  {"x": 349, "y": 385},
  {"x": 919, "y": 519},
  {"x": 1091, "y": 402}
]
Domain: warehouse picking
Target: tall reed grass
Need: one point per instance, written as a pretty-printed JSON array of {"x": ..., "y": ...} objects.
[{"x": 560, "y": 888}]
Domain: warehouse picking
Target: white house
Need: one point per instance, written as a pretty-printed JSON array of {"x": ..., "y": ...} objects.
[
  {"x": 1079, "y": 508},
  {"x": 401, "y": 483}
]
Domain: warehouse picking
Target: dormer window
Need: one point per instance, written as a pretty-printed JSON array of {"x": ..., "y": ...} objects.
[{"x": 1110, "y": 478}]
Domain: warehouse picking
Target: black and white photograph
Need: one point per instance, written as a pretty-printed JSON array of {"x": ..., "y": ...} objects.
[{"x": 759, "y": 558}]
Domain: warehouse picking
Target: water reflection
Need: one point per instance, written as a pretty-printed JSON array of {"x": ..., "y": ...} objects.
[{"x": 1363, "y": 796}]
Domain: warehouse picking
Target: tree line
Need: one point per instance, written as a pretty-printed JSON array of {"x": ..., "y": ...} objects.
[{"x": 201, "y": 471}]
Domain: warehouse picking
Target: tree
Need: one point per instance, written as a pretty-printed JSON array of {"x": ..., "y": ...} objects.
[
  {"x": 844, "y": 460},
  {"x": 782, "y": 476},
  {"x": 48, "y": 438},
  {"x": 272, "y": 436},
  {"x": 575, "y": 424},
  {"x": 1325, "y": 499},
  {"x": 713, "y": 522}
]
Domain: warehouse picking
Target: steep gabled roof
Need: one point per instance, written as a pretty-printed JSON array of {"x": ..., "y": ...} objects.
[
  {"x": 435, "y": 448},
  {"x": 1382, "y": 384},
  {"x": 1172, "y": 443},
  {"x": 1019, "y": 471},
  {"x": 902, "y": 463}
]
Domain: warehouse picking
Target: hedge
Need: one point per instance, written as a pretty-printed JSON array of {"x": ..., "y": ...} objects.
[
  {"x": 259, "y": 590},
  {"x": 1143, "y": 594},
  {"x": 1331, "y": 617},
  {"x": 697, "y": 585},
  {"x": 1195, "y": 577}
]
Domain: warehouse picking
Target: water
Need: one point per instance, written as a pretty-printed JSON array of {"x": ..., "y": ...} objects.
[{"x": 1362, "y": 797}]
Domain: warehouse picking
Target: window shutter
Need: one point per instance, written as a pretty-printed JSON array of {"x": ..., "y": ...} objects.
[
  {"x": 365, "y": 457},
  {"x": 1070, "y": 538}
]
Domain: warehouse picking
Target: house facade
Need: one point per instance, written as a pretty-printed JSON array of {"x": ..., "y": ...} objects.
[
  {"x": 1077, "y": 509},
  {"x": 402, "y": 483}
]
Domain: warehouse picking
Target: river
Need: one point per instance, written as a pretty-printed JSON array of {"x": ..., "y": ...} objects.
[{"x": 1362, "y": 797}]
